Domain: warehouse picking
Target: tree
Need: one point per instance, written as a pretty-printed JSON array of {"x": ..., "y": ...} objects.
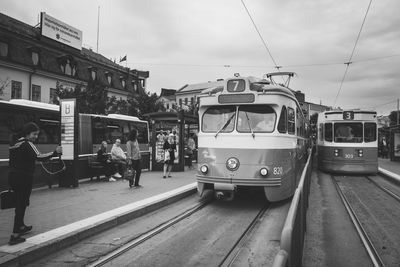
[
  {"x": 393, "y": 117},
  {"x": 90, "y": 99}
]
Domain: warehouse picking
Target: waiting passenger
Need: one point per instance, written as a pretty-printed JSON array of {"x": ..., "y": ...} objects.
[
  {"x": 169, "y": 155},
  {"x": 105, "y": 159},
  {"x": 119, "y": 158}
]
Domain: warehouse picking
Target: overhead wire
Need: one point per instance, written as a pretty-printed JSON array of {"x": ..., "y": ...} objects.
[
  {"x": 259, "y": 66},
  {"x": 259, "y": 34},
  {"x": 352, "y": 53}
]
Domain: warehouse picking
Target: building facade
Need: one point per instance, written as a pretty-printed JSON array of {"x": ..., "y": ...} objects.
[{"x": 33, "y": 65}]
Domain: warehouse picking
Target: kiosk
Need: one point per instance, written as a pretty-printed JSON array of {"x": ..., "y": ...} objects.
[{"x": 164, "y": 123}]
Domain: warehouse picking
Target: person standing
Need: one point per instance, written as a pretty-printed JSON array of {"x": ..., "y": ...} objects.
[
  {"x": 169, "y": 148},
  {"x": 23, "y": 155},
  {"x": 134, "y": 158},
  {"x": 119, "y": 158},
  {"x": 191, "y": 145}
]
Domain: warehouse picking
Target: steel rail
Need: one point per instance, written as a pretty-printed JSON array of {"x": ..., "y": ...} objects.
[
  {"x": 394, "y": 195},
  {"x": 237, "y": 247},
  {"x": 373, "y": 254},
  {"x": 136, "y": 241}
]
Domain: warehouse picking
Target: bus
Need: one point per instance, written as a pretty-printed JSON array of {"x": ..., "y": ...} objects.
[{"x": 93, "y": 129}]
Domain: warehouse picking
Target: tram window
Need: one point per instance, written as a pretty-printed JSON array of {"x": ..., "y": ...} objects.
[
  {"x": 49, "y": 130},
  {"x": 282, "y": 124},
  {"x": 259, "y": 118},
  {"x": 141, "y": 127},
  {"x": 369, "y": 132},
  {"x": 99, "y": 130},
  {"x": 291, "y": 121},
  {"x": 328, "y": 132},
  {"x": 348, "y": 132},
  {"x": 219, "y": 118}
]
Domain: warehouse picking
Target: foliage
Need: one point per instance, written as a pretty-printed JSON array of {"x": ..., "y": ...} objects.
[
  {"x": 93, "y": 99},
  {"x": 90, "y": 99},
  {"x": 393, "y": 117}
]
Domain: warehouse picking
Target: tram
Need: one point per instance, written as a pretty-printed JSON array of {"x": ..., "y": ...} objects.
[
  {"x": 347, "y": 141},
  {"x": 251, "y": 134},
  {"x": 93, "y": 129}
]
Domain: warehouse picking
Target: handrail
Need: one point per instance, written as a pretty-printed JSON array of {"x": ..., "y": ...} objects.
[{"x": 292, "y": 237}]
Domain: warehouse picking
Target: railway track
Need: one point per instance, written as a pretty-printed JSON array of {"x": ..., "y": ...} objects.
[
  {"x": 385, "y": 189},
  {"x": 235, "y": 250},
  {"x": 369, "y": 246},
  {"x": 146, "y": 236},
  {"x": 229, "y": 236}
]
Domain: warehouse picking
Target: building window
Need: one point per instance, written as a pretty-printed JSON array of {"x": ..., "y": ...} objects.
[
  {"x": 180, "y": 102},
  {"x": 93, "y": 73},
  {"x": 192, "y": 101},
  {"x": 53, "y": 96},
  {"x": 16, "y": 90},
  {"x": 3, "y": 49},
  {"x": 167, "y": 106},
  {"x": 36, "y": 92},
  {"x": 68, "y": 67},
  {"x": 35, "y": 58},
  {"x": 186, "y": 100},
  {"x": 109, "y": 77}
]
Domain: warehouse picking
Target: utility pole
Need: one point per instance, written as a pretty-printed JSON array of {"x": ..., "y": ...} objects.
[
  {"x": 397, "y": 111},
  {"x": 98, "y": 26}
]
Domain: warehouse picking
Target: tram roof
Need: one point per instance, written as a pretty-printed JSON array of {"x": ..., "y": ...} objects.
[
  {"x": 31, "y": 104},
  {"x": 252, "y": 85}
]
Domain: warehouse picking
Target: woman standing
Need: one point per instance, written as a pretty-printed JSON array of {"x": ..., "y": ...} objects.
[
  {"x": 169, "y": 148},
  {"x": 134, "y": 158},
  {"x": 23, "y": 155}
]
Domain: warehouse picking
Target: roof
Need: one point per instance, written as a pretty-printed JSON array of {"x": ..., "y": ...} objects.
[{"x": 200, "y": 86}]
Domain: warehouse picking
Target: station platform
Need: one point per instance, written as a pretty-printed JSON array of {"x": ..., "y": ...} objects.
[{"x": 56, "y": 210}]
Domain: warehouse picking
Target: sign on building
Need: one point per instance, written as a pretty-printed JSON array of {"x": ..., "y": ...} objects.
[{"x": 60, "y": 31}]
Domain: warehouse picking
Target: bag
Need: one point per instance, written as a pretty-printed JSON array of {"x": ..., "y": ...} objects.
[
  {"x": 8, "y": 199},
  {"x": 167, "y": 156},
  {"x": 129, "y": 173}
]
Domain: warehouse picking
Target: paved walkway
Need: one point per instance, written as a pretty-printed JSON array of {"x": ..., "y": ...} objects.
[
  {"x": 56, "y": 207},
  {"x": 392, "y": 166}
]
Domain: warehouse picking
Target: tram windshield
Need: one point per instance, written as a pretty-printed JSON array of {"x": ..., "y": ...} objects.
[
  {"x": 256, "y": 118},
  {"x": 219, "y": 119},
  {"x": 348, "y": 132}
]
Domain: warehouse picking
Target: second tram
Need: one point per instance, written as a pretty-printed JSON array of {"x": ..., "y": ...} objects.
[
  {"x": 347, "y": 141},
  {"x": 251, "y": 134}
]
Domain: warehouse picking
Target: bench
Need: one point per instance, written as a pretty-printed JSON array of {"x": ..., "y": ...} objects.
[{"x": 95, "y": 167}]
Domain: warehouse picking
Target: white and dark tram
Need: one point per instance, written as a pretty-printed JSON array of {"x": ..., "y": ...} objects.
[
  {"x": 347, "y": 141},
  {"x": 251, "y": 134}
]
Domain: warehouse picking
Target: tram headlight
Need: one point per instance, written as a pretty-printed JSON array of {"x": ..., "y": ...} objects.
[
  {"x": 204, "y": 169},
  {"x": 232, "y": 164},
  {"x": 360, "y": 152},
  {"x": 264, "y": 172},
  {"x": 336, "y": 152}
]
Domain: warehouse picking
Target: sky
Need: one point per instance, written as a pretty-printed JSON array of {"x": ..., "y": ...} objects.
[{"x": 183, "y": 42}]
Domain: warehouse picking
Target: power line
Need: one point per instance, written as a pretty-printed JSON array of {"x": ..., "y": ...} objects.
[
  {"x": 259, "y": 66},
  {"x": 352, "y": 53},
  {"x": 259, "y": 34}
]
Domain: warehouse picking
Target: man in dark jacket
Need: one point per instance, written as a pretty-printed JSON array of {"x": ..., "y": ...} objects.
[{"x": 23, "y": 155}]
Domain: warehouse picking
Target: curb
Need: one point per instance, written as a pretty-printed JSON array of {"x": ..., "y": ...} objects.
[
  {"x": 54, "y": 240},
  {"x": 389, "y": 174}
]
